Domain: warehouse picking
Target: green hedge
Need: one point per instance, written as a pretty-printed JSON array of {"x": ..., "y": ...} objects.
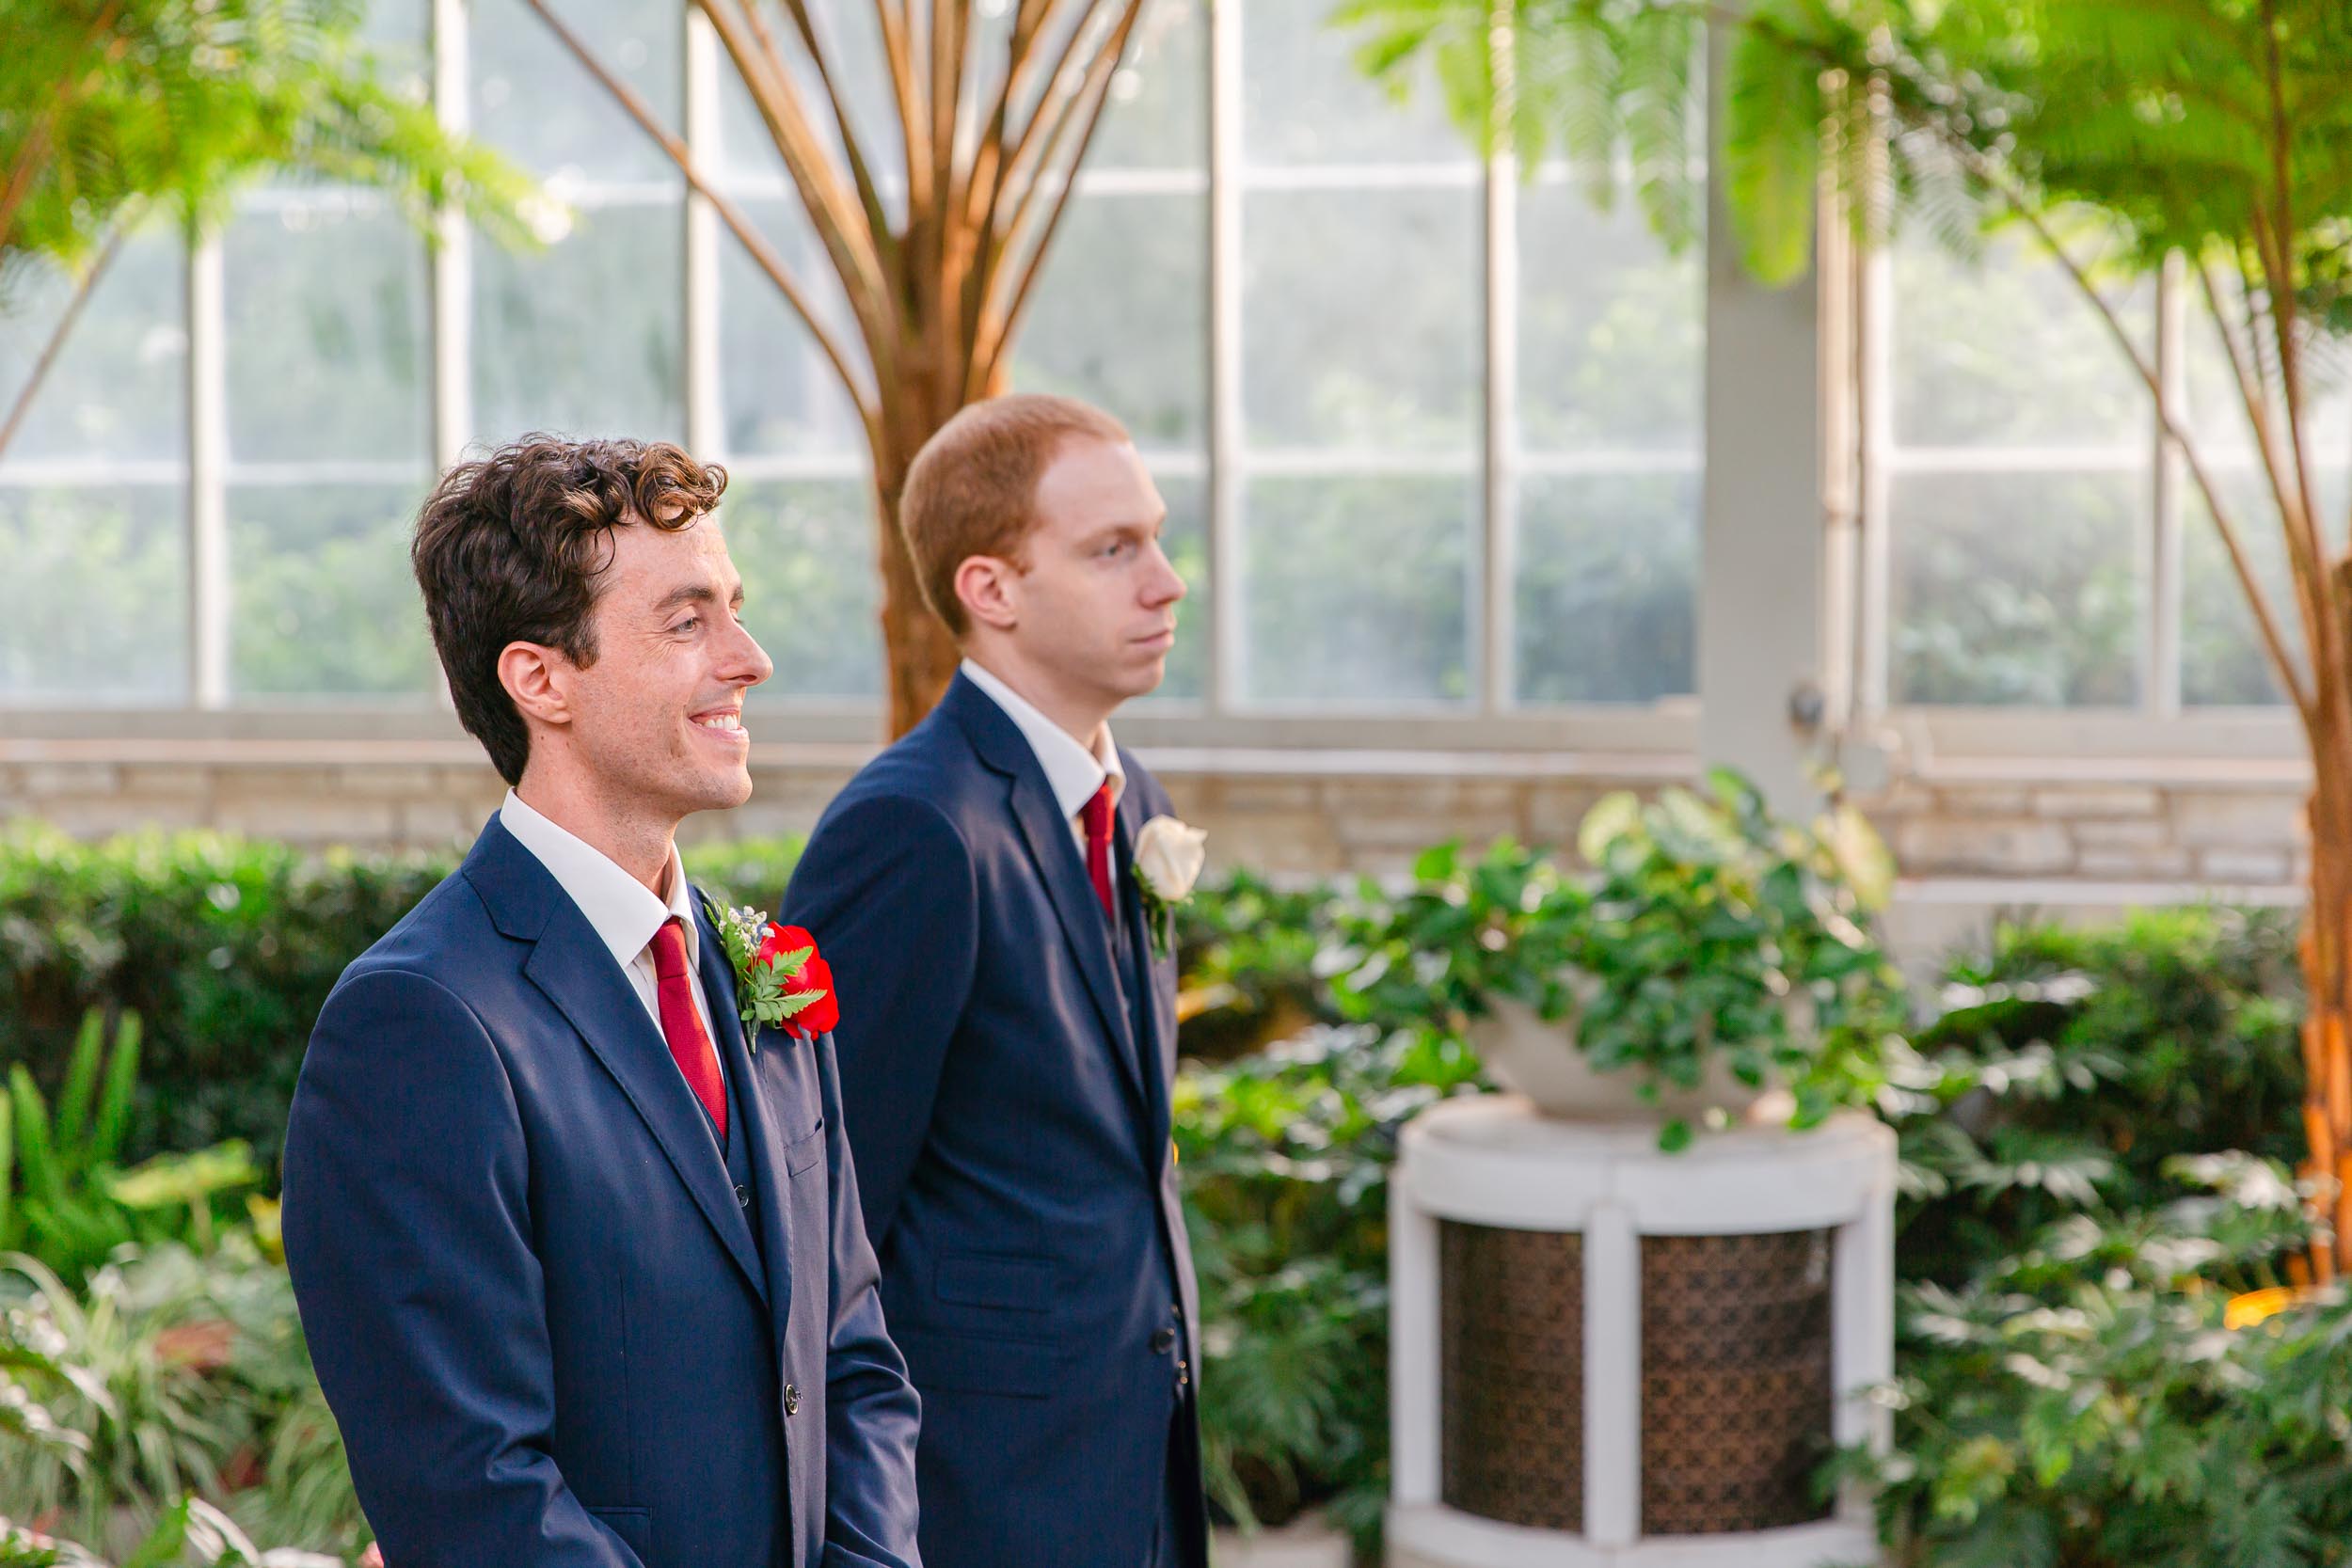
[{"x": 226, "y": 948}]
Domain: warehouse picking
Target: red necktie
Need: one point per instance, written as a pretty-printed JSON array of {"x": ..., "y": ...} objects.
[
  {"x": 1097, "y": 811},
  {"x": 682, "y": 1026}
]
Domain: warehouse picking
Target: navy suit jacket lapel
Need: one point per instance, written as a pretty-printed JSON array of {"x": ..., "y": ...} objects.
[
  {"x": 764, "y": 1146},
  {"x": 999, "y": 743},
  {"x": 571, "y": 965},
  {"x": 1159, "y": 1002}
]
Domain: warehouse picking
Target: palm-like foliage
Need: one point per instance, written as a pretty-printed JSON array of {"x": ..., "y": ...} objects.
[
  {"x": 2128, "y": 135},
  {"x": 935, "y": 230},
  {"x": 113, "y": 109}
]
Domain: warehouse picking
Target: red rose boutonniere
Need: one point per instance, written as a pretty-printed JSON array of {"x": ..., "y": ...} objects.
[{"x": 779, "y": 979}]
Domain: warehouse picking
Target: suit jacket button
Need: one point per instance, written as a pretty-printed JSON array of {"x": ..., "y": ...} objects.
[
  {"x": 1164, "y": 1342},
  {"x": 742, "y": 1197},
  {"x": 791, "y": 1400}
]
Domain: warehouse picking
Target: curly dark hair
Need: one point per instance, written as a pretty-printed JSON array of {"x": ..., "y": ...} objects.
[{"x": 512, "y": 548}]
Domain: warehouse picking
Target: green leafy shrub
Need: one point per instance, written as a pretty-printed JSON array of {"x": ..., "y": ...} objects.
[
  {"x": 1708, "y": 930},
  {"x": 168, "y": 1376},
  {"x": 226, "y": 948},
  {"x": 2086, "y": 1404},
  {"x": 1284, "y": 1156},
  {"x": 2095, "y": 1137},
  {"x": 192, "y": 1534},
  {"x": 62, "y": 1199},
  {"x": 1247, "y": 951},
  {"x": 2068, "y": 1067}
]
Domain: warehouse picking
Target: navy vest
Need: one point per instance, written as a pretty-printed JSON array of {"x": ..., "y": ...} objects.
[{"x": 738, "y": 1145}]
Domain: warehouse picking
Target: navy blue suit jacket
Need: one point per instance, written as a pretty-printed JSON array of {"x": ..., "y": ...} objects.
[
  {"x": 1008, "y": 1099},
  {"x": 542, "y": 1319}
]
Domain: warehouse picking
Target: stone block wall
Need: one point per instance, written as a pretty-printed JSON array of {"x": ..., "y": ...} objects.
[{"x": 2112, "y": 833}]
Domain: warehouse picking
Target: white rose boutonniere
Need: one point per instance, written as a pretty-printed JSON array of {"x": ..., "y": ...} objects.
[{"x": 1168, "y": 857}]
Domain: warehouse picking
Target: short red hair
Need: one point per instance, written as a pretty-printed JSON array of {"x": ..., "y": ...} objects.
[{"x": 972, "y": 489}]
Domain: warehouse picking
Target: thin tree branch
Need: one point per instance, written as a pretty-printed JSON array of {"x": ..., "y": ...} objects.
[
  {"x": 1098, "y": 88},
  {"x": 2001, "y": 183},
  {"x": 976, "y": 178},
  {"x": 833, "y": 214},
  {"x": 1018, "y": 177},
  {"x": 878, "y": 231},
  {"x": 2265, "y": 620},
  {"x": 914, "y": 117},
  {"x": 2282, "y": 317},
  {"x": 2306, "y": 558},
  {"x": 983, "y": 186},
  {"x": 754, "y": 242},
  {"x": 2245, "y": 368},
  {"x": 948, "y": 19},
  {"x": 1037, "y": 132},
  {"x": 50, "y": 350}
]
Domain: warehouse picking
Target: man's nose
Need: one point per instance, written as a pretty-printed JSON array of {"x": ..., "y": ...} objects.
[
  {"x": 747, "y": 662},
  {"x": 1166, "y": 585}
]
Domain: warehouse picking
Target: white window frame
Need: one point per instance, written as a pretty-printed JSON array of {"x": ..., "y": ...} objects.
[{"x": 1625, "y": 739}]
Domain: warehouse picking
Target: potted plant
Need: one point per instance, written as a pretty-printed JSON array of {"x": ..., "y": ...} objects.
[{"x": 1713, "y": 962}]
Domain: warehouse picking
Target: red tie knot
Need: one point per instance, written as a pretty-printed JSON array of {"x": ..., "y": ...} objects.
[{"x": 669, "y": 950}]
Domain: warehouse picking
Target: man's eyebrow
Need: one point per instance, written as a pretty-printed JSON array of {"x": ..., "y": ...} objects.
[
  {"x": 693, "y": 593},
  {"x": 696, "y": 593}
]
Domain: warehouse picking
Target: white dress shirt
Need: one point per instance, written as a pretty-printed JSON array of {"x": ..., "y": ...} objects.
[
  {"x": 623, "y": 909},
  {"x": 1072, "y": 772}
]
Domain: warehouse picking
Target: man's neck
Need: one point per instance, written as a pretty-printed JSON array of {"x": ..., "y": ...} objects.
[
  {"x": 639, "y": 844},
  {"x": 1077, "y": 718}
]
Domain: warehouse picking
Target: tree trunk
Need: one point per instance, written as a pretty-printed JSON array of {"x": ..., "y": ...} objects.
[
  {"x": 919, "y": 657},
  {"x": 2327, "y": 955}
]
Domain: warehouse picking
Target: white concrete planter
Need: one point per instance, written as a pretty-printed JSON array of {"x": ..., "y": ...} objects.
[
  {"x": 1492, "y": 1163},
  {"x": 1535, "y": 1057},
  {"x": 1305, "y": 1544}
]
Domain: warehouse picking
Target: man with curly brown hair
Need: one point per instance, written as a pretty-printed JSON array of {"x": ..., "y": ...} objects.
[{"x": 575, "y": 1237}]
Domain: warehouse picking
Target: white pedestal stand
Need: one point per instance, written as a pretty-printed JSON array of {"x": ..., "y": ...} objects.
[{"x": 1491, "y": 1160}]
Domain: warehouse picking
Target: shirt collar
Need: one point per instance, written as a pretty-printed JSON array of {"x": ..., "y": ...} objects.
[
  {"x": 1072, "y": 772},
  {"x": 623, "y": 909}
]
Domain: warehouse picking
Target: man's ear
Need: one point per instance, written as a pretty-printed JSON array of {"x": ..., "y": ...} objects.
[
  {"x": 539, "y": 679},
  {"x": 989, "y": 587}
]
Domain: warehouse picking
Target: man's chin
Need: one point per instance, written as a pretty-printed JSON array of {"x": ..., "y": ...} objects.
[
  {"x": 718, "y": 792},
  {"x": 1141, "y": 678}
]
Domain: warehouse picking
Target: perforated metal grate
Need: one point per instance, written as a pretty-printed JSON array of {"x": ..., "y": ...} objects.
[
  {"x": 1511, "y": 1332},
  {"x": 1735, "y": 1394}
]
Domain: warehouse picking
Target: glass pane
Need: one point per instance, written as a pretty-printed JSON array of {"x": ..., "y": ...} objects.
[
  {"x": 328, "y": 335},
  {"x": 2223, "y": 662},
  {"x": 1158, "y": 112},
  {"x": 811, "y": 587},
  {"x": 585, "y": 337},
  {"x": 2005, "y": 351},
  {"x": 1305, "y": 102},
  {"x": 400, "y": 33},
  {"x": 324, "y": 602},
  {"x": 780, "y": 394},
  {"x": 93, "y": 606},
  {"x": 1186, "y": 540},
  {"x": 2016, "y": 588},
  {"x": 1358, "y": 589},
  {"x": 119, "y": 390},
  {"x": 1120, "y": 316},
  {"x": 1612, "y": 329},
  {"x": 1360, "y": 319},
  {"x": 1608, "y": 587},
  {"x": 536, "y": 103}
]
